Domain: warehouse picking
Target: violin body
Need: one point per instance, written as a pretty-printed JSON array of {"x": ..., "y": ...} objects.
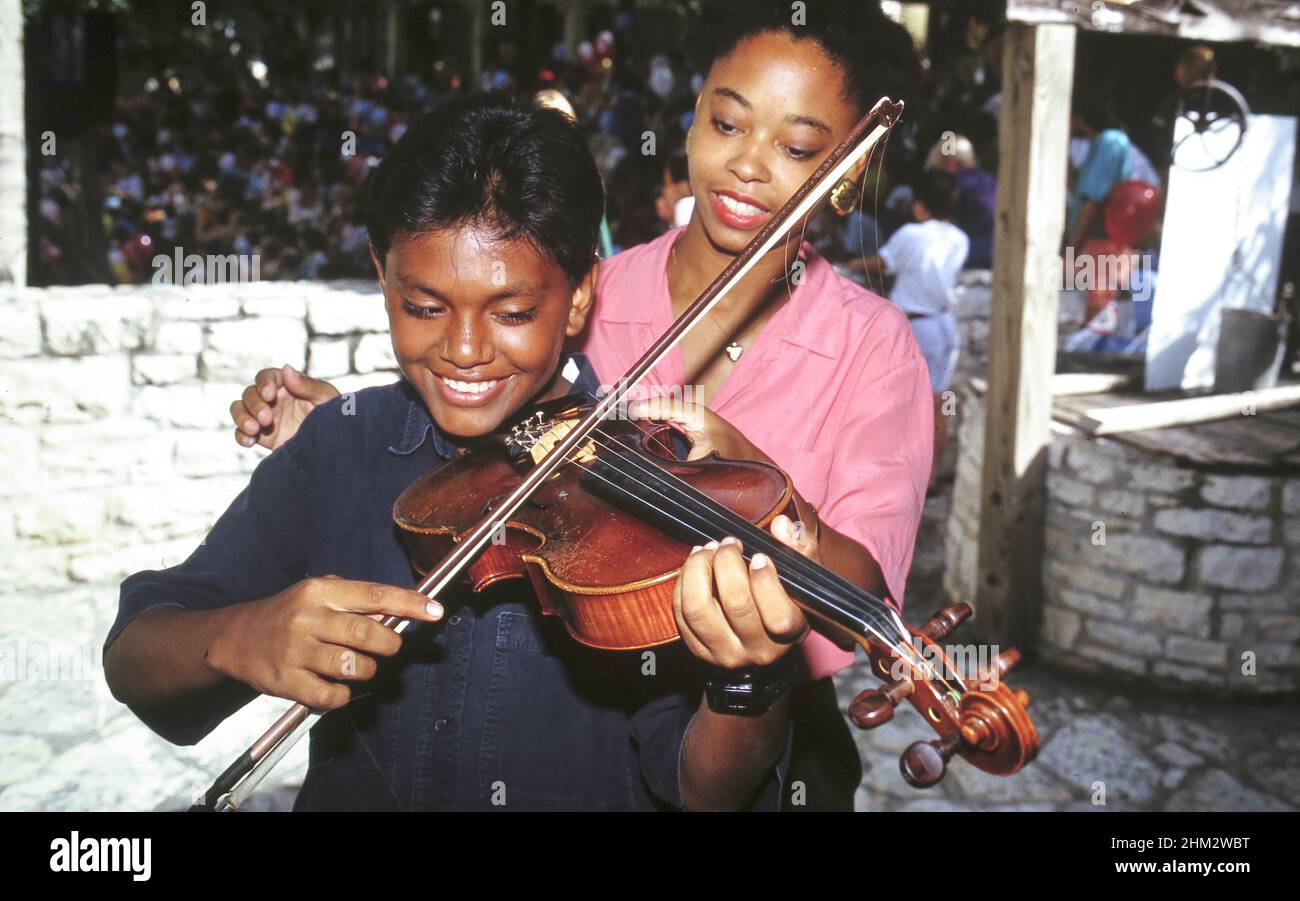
[{"x": 606, "y": 573}]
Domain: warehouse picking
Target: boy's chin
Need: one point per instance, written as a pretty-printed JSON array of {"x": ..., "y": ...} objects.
[{"x": 475, "y": 423}]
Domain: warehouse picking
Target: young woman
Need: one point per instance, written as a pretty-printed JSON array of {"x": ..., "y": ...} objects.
[
  {"x": 492, "y": 707},
  {"x": 797, "y": 365}
]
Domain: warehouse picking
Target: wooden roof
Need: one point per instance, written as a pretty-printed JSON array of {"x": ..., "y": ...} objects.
[{"x": 1275, "y": 22}]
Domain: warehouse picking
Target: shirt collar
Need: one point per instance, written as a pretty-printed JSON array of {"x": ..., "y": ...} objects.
[{"x": 419, "y": 426}]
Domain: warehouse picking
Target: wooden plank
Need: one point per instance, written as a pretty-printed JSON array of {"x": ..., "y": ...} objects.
[
  {"x": 1038, "y": 72},
  {"x": 1222, "y": 20},
  {"x": 1066, "y": 383},
  {"x": 1186, "y": 411},
  {"x": 1202, "y": 447},
  {"x": 1253, "y": 434}
]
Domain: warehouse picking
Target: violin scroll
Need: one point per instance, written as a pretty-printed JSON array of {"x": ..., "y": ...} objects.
[{"x": 978, "y": 717}]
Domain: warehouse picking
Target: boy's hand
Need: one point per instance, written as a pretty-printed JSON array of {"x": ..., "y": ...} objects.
[
  {"x": 274, "y": 406},
  {"x": 707, "y": 430},
  {"x": 292, "y": 644},
  {"x": 732, "y": 614}
]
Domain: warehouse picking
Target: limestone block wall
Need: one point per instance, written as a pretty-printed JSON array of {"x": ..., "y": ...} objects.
[
  {"x": 119, "y": 455},
  {"x": 1179, "y": 576}
]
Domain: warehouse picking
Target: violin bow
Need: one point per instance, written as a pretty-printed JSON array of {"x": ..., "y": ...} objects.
[{"x": 233, "y": 787}]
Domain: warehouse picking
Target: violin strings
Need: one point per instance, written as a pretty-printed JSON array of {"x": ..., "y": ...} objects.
[
  {"x": 725, "y": 521},
  {"x": 789, "y": 560},
  {"x": 873, "y": 627},
  {"x": 716, "y": 515}
]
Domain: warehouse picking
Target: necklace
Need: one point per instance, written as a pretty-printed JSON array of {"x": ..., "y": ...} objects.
[{"x": 732, "y": 350}]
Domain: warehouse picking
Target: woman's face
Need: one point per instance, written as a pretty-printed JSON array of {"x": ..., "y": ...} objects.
[
  {"x": 769, "y": 113},
  {"x": 478, "y": 324}
]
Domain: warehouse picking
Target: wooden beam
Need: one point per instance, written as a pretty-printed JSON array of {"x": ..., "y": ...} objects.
[
  {"x": 1038, "y": 71},
  {"x": 1187, "y": 411},
  {"x": 1068, "y": 383},
  {"x": 1266, "y": 22}
]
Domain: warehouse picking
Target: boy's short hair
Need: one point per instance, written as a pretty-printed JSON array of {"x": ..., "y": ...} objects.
[
  {"x": 875, "y": 52},
  {"x": 523, "y": 171},
  {"x": 937, "y": 190}
]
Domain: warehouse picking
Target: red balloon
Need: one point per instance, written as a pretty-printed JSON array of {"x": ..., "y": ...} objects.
[{"x": 1131, "y": 211}]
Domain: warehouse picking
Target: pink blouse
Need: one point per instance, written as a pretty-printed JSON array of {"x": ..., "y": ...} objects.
[{"x": 834, "y": 390}]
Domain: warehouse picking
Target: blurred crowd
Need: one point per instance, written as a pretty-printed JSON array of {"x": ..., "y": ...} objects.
[
  {"x": 277, "y": 168},
  {"x": 278, "y": 172}
]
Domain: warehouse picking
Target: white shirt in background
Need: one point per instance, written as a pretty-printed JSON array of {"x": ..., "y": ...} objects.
[{"x": 925, "y": 258}]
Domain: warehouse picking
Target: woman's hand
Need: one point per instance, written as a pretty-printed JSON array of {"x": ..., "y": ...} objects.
[
  {"x": 733, "y": 614},
  {"x": 274, "y": 406},
  {"x": 301, "y": 643},
  {"x": 707, "y": 430}
]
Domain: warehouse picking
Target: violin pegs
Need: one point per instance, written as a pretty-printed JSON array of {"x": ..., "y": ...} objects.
[
  {"x": 875, "y": 706},
  {"x": 944, "y": 621},
  {"x": 1002, "y": 664},
  {"x": 1006, "y": 661},
  {"x": 924, "y": 763}
]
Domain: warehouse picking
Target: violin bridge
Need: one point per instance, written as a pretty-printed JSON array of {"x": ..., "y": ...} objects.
[{"x": 537, "y": 437}]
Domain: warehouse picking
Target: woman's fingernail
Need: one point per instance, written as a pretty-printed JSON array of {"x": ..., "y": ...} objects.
[
  {"x": 711, "y": 546},
  {"x": 264, "y": 417},
  {"x": 696, "y": 549},
  {"x": 434, "y": 608},
  {"x": 758, "y": 561},
  {"x": 730, "y": 540}
]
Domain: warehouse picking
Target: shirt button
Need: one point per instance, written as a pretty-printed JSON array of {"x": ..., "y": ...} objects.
[
  {"x": 441, "y": 723},
  {"x": 455, "y": 620}
]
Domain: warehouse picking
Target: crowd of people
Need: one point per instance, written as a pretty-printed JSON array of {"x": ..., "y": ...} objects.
[
  {"x": 278, "y": 173},
  {"x": 276, "y": 169}
]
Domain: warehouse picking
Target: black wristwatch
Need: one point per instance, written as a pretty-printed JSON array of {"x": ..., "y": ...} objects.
[{"x": 751, "y": 691}]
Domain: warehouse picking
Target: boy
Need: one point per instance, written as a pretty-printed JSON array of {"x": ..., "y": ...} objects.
[
  {"x": 925, "y": 258},
  {"x": 483, "y": 222}
]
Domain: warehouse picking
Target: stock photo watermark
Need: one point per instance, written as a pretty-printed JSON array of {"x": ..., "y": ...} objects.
[
  {"x": 1131, "y": 272},
  {"x": 22, "y": 660}
]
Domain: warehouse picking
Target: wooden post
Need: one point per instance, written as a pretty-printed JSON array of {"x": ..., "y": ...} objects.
[
  {"x": 1037, "y": 72},
  {"x": 392, "y": 26},
  {"x": 477, "y": 27},
  {"x": 575, "y": 24}
]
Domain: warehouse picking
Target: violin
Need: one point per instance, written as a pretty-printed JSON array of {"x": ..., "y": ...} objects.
[
  {"x": 602, "y": 541},
  {"x": 599, "y": 514}
]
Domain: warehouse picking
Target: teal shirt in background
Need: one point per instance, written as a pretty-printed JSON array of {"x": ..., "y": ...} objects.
[{"x": 1109, "y": 162}]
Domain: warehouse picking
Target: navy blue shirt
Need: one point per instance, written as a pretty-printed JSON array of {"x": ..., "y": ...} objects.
[{"x": 494, "y": 704}]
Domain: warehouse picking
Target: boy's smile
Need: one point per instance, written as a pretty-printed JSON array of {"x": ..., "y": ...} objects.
[{"x": 478, "y": 323}]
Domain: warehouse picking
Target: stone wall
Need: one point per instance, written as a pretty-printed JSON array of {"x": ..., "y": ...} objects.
[
  {"x": 119, "y": 449},
  {"x": 1180, "y": 575}
]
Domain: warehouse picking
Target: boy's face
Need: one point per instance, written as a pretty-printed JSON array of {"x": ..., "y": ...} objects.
[
  {"x": 769, "y": 113},
  {"x": 478, "y": 324}
]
